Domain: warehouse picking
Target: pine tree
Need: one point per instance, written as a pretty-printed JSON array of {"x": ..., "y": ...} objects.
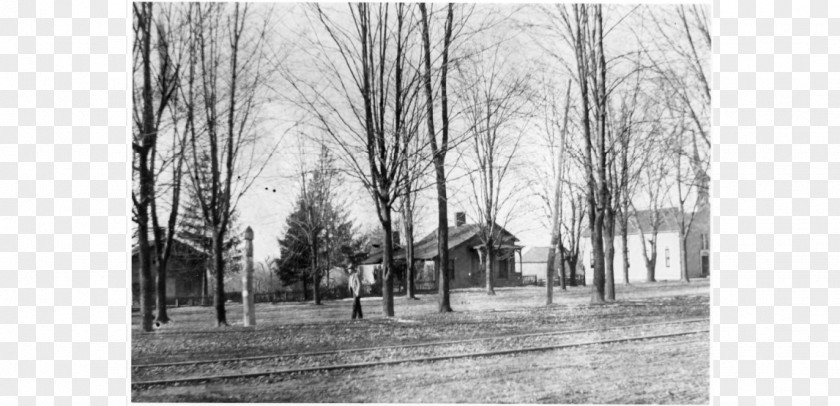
[
  {"x": 319, "y": 233},
  {"x": 293, "y": 265}
]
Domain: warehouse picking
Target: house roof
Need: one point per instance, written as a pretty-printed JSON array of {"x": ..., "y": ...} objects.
[
  {"x": 426, "y": 247},
  {"x": 179, "y": 249},
  {"x": 644, "y": 219},
  {"x": 535, "y": 254}
]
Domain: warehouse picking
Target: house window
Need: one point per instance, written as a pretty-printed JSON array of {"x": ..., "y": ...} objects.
[
  {"x": 451, "y": 269},
  {"x": 667, "y": 257},
  {"x": 591, "y": 260},
  {"x": 704, "y": 242}
]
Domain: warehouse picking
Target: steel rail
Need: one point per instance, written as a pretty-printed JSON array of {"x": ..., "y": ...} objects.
[
  {"x": 402, "y": 361},
  {"x": 390, "y": 347}
]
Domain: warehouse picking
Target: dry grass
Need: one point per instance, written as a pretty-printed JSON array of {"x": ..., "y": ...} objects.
[{"x": 663, "y": 371}]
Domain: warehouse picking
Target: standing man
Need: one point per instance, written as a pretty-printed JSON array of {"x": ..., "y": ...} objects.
[{"x": 355, "y": 285}]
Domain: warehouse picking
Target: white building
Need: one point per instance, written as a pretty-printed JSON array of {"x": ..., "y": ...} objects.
[
  {"x": 668, "y": 248},
  {"x": 534, "y": 261}
]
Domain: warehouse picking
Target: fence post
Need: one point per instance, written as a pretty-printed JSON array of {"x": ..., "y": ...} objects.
[{"x": 250, "y": 318}]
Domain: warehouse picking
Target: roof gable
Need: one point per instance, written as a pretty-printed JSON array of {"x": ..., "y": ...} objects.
[
  {"x": 427, "y": 247},
  {"x": 180, "y": 250},
  {"x": 539, "y": 255},
  {"x": 645, "y": 219}
]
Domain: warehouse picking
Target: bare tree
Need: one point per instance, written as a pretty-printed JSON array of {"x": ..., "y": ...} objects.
[
  {"x": 416, "y": 167},
  {"x": 636, "y": 136},
  {"x": 627, "y": 154},
  {"x": 655, "y": 178},
  {"x": 161, "y": 85},
  {"x": 357, "y": 101},
  {"x": 555, "y": 217},
  {"x": 584, "y": 30},
  {"x": 410, "y": 113},
  {"x": 681, "y": 59},
  {"x": 555, "y": 159},
  {"x": 440, "y": 149},
  {"x": 172, "y": 43},
  {"x": 494, "y": 98},
  {"x": 570, "y": 248},
  {"x": 688, "y": 180},
  {"x": 228, "y": 59}
]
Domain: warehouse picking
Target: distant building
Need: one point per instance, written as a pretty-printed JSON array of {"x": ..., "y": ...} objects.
[
  {"x": 466, "y": 258},
  {"x": 535, "y": 259},
  {"x": 668, "y": 248},
  {"x": 184, "y": 271}
]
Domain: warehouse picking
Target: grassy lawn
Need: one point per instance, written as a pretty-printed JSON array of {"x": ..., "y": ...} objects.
[{"x": 673, "y": 370}]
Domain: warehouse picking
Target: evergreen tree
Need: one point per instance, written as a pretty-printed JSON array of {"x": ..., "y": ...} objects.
[
  {"x": 319, "y": 234},
  {"x": 293, "y": 265}
]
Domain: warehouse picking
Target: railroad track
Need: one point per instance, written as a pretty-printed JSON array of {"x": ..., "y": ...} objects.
[
  {"x": 427, "y": 344},
  {"x": 249, "y": 367}
]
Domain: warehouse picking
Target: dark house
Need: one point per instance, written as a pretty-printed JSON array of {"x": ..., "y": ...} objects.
[
  {"x": 466, "y": 257},
  {"x": 184, "y": 271}
]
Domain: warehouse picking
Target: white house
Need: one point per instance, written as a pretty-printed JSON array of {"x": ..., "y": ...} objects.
[
  {"x": 534, "y": 261},
  {"x": 668, "y": 248}
]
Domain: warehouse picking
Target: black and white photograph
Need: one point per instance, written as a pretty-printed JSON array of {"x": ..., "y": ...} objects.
[{"x": 420, "y": 202}]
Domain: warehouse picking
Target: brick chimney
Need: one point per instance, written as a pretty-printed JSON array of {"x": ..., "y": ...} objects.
[{"x": 460, "y": 219}]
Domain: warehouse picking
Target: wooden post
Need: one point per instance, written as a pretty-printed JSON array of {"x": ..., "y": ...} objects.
[{"x": 250, "y": 318}]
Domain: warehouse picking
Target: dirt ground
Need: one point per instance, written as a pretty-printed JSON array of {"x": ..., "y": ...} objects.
[
  {"x": 667, "y": 371},
  {"x": 673, "y": 370}
]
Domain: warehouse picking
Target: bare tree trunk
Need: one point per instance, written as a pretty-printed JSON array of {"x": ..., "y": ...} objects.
[
  {"x": 443, "y": 241},
  {"x": 609, "y": 254},
  {"x": 204, "y": 287},
  {"x": 598, "y": 280},
  {"x": 604, "y": 194},
  {"x": 409, "y": 244},
  {"x": 555, "y": 215},
  {"x": 219, "y": 267},
  {"x": 625, "y": 255},
  {"x": 591, "y": 67},
  {"x": 683, "y": 257},
  {"x": 651, "y": 269},
  {"x": 625, "y": 250},
  {"x": 549, "y": 268},
  {"x": 650, "y": 261},
  {"x": 562, "y": 271},
  {"x": 145, "y": 257},
  {"x": 489, "y": 259},
  {"x": 573, "y": 261},
  {"x": 439, "y": 154},
  {"x": 163, "y": 253},
  {"x": 572, "y": 264},
  {"x": 316, "y": 281},
  {"x": 388, "y": 265},
  {"x": 161, "y": 316},
  {"x": 146, "y": 176}
]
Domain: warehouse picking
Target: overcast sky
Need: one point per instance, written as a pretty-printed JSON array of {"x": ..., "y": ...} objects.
[{"x": 271, "y": 198}]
